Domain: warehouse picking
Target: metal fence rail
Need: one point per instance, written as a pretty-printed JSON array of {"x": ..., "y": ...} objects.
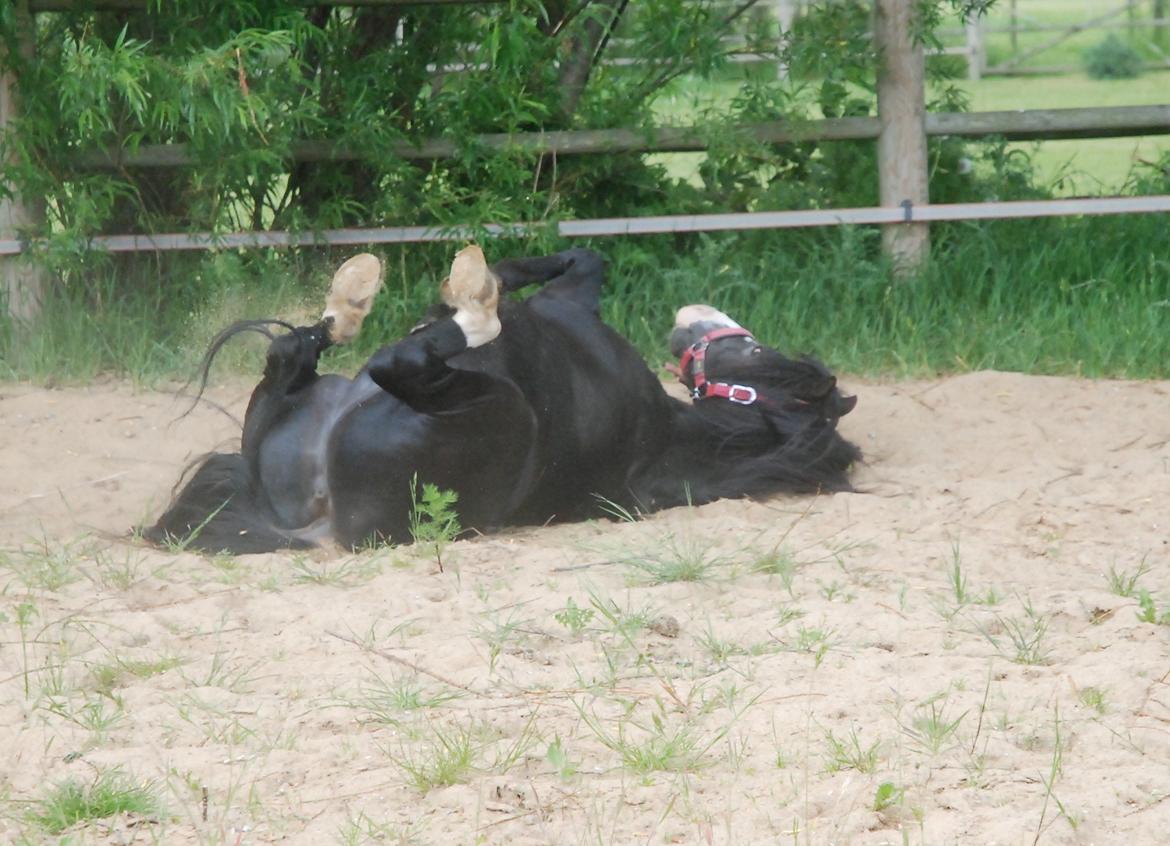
[{"x": 626, "y": 225}]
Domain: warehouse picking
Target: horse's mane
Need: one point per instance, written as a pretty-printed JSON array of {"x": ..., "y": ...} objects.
[{"x": 787, "y": 440}]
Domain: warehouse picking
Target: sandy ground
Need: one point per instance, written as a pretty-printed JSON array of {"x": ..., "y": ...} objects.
[{"x": 944, "y": 657}]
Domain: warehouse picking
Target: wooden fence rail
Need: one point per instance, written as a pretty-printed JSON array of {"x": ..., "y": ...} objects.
[{"x": 1031, "y": 125}]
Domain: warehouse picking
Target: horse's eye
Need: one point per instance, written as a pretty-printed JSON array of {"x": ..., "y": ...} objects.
[{"x": 359, "y": 303}]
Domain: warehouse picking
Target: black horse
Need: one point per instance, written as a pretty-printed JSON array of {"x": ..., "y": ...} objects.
[{"x": 530, "y": 410}]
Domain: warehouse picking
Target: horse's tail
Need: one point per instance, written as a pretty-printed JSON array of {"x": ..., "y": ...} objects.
[{"x": 217, "y": 511}]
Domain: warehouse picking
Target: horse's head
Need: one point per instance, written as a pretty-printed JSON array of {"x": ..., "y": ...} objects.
[{"x": 720, "y": 361}]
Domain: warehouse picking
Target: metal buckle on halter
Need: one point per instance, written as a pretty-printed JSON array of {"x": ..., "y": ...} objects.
[{"x": 741, "y": 394}]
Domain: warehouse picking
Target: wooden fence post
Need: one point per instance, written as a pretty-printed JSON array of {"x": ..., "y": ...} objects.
[
  {"x": 1015, "y": 22},
  {"x": 21, "y": 282},
  {"x": 785, "y": 14},
  {"x": 902, "y": 157},
  {"x": 976, "y": 48}
]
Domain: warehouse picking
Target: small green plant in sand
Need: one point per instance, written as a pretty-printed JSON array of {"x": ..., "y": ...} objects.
[
  {"x": 664, "y": 744},
  {"x": 556, "y": 754},
  {"x": 930, "y": 728},
  {"x": 449, "y": 755},
  {"x": 720, "y": 649},
  {"x": 957, "y": 578},
  {"x": 112, "y": 792},
  {"x": 1124, "y": 583},
  {"x": 95, "y": 715},
  {"x": 498, "y": 632},
  {"x": 348, "y": 573},
  {"x": 814, "y": 640},
  {"x": 108, "y": 677},
  {"x": 1055, "y": 771},
  {"x": 1148, "y": 611},
  {"x": 41, "y": 565},
  {"x": 623, "y": 622},
  {"x": 434, "y": 522},
  {"x": 887, "y": 795},
  {"x": 25, "y": 613},
  {"x": 616, "y": 510},
  {"x": 574, "y": 618},
  {"x": 1095, "y": 698},
  {"x": 777, "y": 562},
  {"x": 362, "y": 830},
  {"x": 849, "y": 753},
  {"x": 444, "y": 757},
  {"x": 1025, "y": 637},
  {"x": 675, "y": 560},
  {"x": 386, "y": 700},
  {"x": 961, "y": 592}
]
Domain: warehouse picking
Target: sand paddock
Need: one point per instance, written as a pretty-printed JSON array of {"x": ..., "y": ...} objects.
[{"x": 944, "y": 657}]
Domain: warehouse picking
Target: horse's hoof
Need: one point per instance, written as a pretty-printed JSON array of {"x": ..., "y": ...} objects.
[
  {"x": 351, "y": 296},
  {"x": 474, "y": 292}
]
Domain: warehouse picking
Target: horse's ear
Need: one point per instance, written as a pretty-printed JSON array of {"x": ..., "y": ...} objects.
[
  {"x": 844, "y": 405},
  {"x": 681, "y": 338}
]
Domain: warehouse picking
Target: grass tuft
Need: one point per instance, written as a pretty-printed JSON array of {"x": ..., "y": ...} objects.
[
  {"x": 110, "y": 793},
  {"x": 675, "y": 560}
]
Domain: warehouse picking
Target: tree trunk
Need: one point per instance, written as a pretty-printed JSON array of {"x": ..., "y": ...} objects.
[
  {"x": 22, "y": 282},
  {"x": 585, "y": 49}
]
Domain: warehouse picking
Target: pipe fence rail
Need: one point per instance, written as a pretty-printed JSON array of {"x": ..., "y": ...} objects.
[{"x": 664, "y": 224}]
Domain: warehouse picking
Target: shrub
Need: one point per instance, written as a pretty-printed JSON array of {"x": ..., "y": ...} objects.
[{"x": 1112, "y": 58}]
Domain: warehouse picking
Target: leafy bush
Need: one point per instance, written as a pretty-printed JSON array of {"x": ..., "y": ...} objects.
[{"x": 1113, "y": 58}]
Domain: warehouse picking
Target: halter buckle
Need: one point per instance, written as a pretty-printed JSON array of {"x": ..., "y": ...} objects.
[{"x": 741, "y": 394}]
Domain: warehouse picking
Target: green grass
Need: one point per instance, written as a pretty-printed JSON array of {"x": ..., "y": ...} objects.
[
  {"x": 1084, "y": 165},
  {"x": 109, "y": 794},
  {"x": 1079, "y": 296},
  {"x": 1065, "y": 13},
  {"x": 444, "y": 757},
  {"x": 850, "y": 753}
]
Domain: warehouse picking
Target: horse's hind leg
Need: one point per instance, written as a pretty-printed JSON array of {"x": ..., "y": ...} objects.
[
  {"x": 291, "y": 363},
  {"x": 576, "y": 275},
  {"x": 474, "y": 292},
  {"x": 351, "y": 296},
  {"x": 415, "y": 369}
]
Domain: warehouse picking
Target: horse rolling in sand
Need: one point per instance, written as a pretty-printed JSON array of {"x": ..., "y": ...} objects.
[{"x": 531, "y": 411}]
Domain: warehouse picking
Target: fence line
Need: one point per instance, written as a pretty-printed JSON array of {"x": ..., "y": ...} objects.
[
  {"x": 1030, "y": 125},
  {"x": 629, "y": 225}
]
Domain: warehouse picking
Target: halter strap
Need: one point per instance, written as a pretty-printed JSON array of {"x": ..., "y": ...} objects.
[{"x": 695, "y": 357}]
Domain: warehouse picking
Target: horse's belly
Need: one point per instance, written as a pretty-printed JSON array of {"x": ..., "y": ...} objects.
[{"x": 293, "y": 457}]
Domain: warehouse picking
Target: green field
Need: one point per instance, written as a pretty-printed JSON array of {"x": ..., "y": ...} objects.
[
  {"x": 1075, "y": 167},
  {"x": 1082, "y": 166}
]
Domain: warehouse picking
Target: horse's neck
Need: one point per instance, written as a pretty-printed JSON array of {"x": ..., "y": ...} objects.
[{"x": 691, "y": 468}]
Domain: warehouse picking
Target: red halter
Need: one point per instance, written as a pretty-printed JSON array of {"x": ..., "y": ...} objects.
[{"x": 694, "y": 357}]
